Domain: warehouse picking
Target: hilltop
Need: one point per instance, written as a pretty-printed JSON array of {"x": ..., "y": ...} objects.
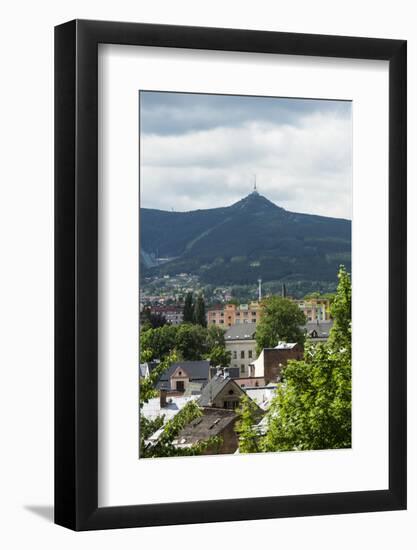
[{"x": 237, "y": 244}]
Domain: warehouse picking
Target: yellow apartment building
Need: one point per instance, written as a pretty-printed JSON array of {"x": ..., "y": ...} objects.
[
  {"x": 315, "y": 309},
  {"x": 231, "y": 314}
]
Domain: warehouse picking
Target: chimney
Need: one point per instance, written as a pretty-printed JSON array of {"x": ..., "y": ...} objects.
[{"x": 162, "y": 398}]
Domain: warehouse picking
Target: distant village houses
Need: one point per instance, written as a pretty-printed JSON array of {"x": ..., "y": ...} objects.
[
  {"x": 232, "y": 314},
  {"x": 315, "y": 309}
]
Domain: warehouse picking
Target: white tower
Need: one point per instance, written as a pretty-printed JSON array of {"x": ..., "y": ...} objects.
[{"x": 259, "y": 289}]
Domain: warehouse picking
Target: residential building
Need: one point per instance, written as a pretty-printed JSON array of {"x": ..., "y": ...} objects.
[
  {"x": 181, "y": 374},
  {"x": 213, "y": 423},
  {"x": 165, "y": 405},
  {"x": 315, "y": 309},
  {"x": 250, "y": 382},
  {"x": 172, "y": 314},
  {"x": 240, "y": 341},
  {"x": 262, "y": 396},
  {"x": 221, "y": 392},
  {"x": 232, "y": 314},
  {"x": 271, "y": 361},
  {"x": 318, "y": 331}
]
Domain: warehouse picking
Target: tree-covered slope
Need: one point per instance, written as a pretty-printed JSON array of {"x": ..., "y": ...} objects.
[{"x": 237, "y": 244}]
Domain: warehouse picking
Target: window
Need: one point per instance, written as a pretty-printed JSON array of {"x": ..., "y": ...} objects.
[
  {"x": 180, "y": 385},
  {"x": 250, "y": 352},
  {"x": 235, "y": 354},
  {"x": 242, "y": 354},
  {"x": 242, "y": 369},
  {"x": 230, "y": 404}
]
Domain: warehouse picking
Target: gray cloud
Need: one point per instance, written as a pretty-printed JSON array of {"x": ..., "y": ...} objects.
[
  {"x": 207, "y": 150},
  {"x": 169, "y": 113}
]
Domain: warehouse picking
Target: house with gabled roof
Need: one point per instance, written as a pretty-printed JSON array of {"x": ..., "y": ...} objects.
[
  {"x": 318, "y": 331},
  {"x": 221, "y": 392},
  {"x": 182, "y": 373},
  {"x": 219, "y": 423}
]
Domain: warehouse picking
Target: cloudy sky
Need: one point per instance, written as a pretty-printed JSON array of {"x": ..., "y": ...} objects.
[{"x": 202, "y": 151}]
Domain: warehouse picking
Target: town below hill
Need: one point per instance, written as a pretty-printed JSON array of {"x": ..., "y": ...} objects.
[{"x": 270, "y": 375}]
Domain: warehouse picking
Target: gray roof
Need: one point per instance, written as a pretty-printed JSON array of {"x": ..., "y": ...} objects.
[
  {"x": 321, "y": 327},
  {"x": 194, "y": 388},
  {"x": 243, "y": 331},
  {"x": 286, "y": 345},
  {"x": 212, "y": 423},
  {"x": 213, "y": 388},
  {"x": 196, "y": 370},
  {"x": 150, "y": 365},
  {"x": 233, "y": 372}
]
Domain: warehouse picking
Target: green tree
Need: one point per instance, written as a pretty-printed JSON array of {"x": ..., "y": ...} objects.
[
  {"x": 341, "y": 311},
  {"x": 152, "y": 320},
  {"x": 159, "y": 342},
  {"x": 215, "y": 337},
  {"x": 188, "y": 311},
  {"x": 249, "y": 437},
  {"x": 191, "y": 342},
  {"x": 312, "y": 295},
  {"x": 312, "y": 408},
  {"x": 281, "y": 319},
  {"x": 200, "y": 311},
  {"x": 147, "y": 388},
  {"x": 165, "y": 445},
  {"x": 219, "y": 357}
]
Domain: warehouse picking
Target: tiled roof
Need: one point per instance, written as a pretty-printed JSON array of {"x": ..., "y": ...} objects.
[
  {"x": 196, "y": 370},
  {"x": 213, "y": 388},
  {"x": 243, "y": 331},
  {"x": 212, "y": 423}
]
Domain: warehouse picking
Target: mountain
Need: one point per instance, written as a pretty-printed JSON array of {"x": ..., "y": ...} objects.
[{"x": 253, "y": 238}]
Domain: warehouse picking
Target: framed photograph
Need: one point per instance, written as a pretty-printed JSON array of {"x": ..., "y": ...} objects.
[{"x": 230, "y": 284}]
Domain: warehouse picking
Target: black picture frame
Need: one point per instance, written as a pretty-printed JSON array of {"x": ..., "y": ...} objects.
[{"x": 76, "y": 272}]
